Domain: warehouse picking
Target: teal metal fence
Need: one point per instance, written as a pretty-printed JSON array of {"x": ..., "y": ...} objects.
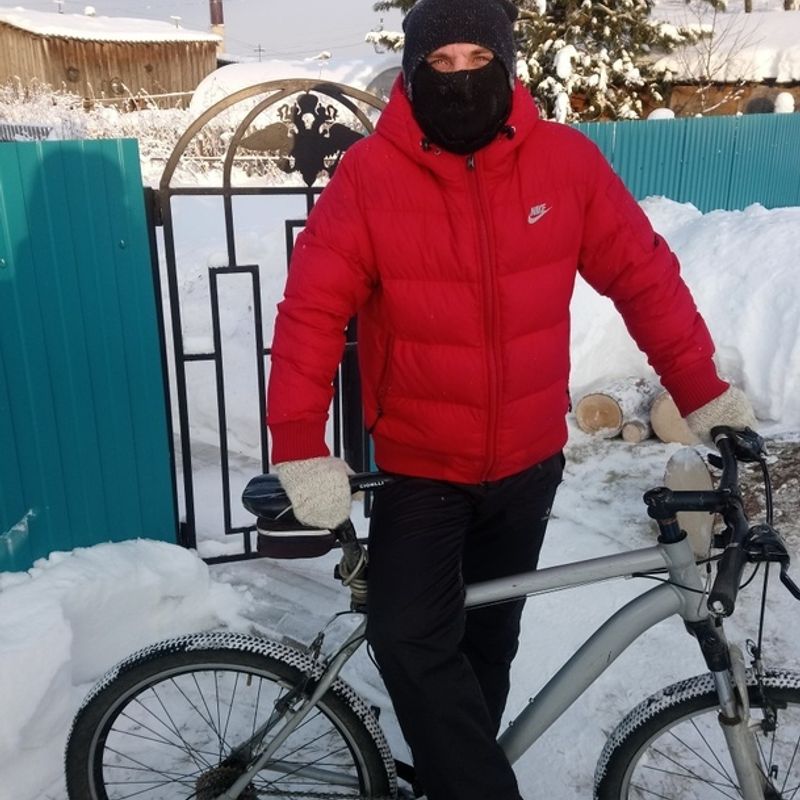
[
  {"x": 711, "y": 162},
  {"x": 85, "y": 452}
]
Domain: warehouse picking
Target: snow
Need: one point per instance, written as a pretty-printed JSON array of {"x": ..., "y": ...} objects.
[
  {"x": 784, "y": 103},
  {"x": 563, "y": 61},
  {"x": 561, "y": 108},
  {"x": 89, "y": 27},
  {"x": 661, "y": 113},
  {"x": 741, "y": 268},
  {"x": 73, "y": 615},
  {"x": 755, "y": 47},
  {"x": 357, "y": 72}
]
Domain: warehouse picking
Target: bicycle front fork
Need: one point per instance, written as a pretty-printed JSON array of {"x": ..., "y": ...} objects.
[{"x": 734, "y": 719}]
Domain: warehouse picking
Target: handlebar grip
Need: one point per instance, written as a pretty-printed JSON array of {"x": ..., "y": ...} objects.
[{"x": 722, "y": 599}]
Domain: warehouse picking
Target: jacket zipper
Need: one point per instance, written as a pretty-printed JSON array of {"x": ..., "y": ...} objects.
[
  {"x": 488, "y": 269},
  {"x": 383, "y": 385}
]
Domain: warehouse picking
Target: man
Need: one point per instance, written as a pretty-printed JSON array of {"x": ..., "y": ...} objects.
[{"x": 456, "y": 232}]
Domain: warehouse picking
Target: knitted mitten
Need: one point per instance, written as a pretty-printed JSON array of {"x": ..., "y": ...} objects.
[
  {"x": 319, "y": 490},
  {"x": 731, "y": 408}
]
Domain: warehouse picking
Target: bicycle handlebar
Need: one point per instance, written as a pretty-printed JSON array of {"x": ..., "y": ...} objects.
[
  {"x": 733, "y": 445},
  {"x": 265, "y": 498},
  {"x": 722, "y": 597}
]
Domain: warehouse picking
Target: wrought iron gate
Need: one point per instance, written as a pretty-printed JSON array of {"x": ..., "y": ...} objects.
[{"x": 280, "y": 132}]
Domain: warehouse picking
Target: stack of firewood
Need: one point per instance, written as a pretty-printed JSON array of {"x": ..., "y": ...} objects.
[{"x": 633, "y": 408}]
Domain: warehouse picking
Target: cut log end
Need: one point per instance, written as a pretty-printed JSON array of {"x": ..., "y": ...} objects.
[
  {"x": 635, "y": 431},
  {"x": 599, "y": 414},
  {"x": 605, "y": 411}
]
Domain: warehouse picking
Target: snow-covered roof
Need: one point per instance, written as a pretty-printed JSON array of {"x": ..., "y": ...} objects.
[
  {"x": 100, "y": 29},
  {"x": 226, "y": 80},
  {"x": 753, "y": 47}
]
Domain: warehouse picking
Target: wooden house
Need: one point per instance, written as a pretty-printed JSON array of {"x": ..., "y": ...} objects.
[
  {"x": 744, "y": 63},
  {"x": 104, "y": 57}
]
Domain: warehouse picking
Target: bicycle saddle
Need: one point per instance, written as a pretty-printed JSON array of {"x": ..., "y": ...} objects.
[{"x": 264, "y": 496}]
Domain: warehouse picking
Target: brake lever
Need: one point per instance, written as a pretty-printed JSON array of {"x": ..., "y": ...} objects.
[
  {"x": 793, "y": 588},
  {"x": 747, "y": 445},
  {"x": 764, "y": 543}
]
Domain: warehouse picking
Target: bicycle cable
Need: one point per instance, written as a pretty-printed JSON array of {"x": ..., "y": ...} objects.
[
  {"x": 751, "y": 578},
  {"x": 763, "y": 609},
  {"x": 653, "y": 577}
]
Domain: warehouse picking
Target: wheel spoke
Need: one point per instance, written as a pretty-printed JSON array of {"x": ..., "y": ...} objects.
[
  {"x": 190, "y": 750},
  {"x": 209, "y": 720},
  {"x": 671, "y": 745},
  {"x": 161, "y": 740},
  {"x": 687, "y": 773},
  {"x": 722, "y": 772},
  {"x": 791, "y": 764},
  {"x": 645, "y": 790},
  {"x": 181, "y": 778},
  {"x": 330, "y": 777},
  {"x": 183, "y": 725}
]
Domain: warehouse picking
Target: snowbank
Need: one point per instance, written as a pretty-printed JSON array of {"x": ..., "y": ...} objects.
[
  {"x": 742, "y": 267},
  {"x": 69, "y": 619}
]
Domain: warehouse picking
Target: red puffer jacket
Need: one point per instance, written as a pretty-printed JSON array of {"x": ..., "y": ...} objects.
[{"x": 461, "y": 270}]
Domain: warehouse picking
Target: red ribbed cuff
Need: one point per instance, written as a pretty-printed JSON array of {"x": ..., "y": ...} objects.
[
  {"x": 695, "y": 386},
  {"x": 292, "y": 441}
]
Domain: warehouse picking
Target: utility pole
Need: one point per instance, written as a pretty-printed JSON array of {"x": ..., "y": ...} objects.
[{"x": 259, "y": 51}]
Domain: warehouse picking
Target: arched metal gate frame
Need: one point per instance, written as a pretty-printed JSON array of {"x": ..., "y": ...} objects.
[{"x": 307, "y": 137}]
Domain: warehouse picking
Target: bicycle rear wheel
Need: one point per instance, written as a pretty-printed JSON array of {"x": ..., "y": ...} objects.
[
  {"x": 165, "y": 724},
  {"x": 671, "y": 745}
]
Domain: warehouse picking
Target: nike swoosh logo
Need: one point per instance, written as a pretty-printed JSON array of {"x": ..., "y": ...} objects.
[{"x": 536, "y": 214}]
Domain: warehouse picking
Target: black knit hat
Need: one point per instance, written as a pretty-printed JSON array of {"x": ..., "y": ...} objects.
[{"x": 431, "y": 24}]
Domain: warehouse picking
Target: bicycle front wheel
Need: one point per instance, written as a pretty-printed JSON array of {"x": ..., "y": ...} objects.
[
  {"x": 672, "y": 746},
  {"x": 166, "y": 725}
]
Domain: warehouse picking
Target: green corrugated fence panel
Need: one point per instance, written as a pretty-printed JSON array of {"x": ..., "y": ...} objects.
[
  {"x": 765, "y": 159},
  {"x": 711, "y": 162},
  {"x": 602, "y": 134},
  {"x": 708, "y": 159},
  {"x": 647, "y": 156},
  {"x": 84, "y": 437}
]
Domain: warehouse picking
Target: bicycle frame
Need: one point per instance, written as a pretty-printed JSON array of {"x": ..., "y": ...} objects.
[
  {"x": 683, "y": 595},
  {"x": 610, "y": 639}
]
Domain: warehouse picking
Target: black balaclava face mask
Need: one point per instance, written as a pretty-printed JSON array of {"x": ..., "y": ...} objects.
[{"x": 461, "y": 111}]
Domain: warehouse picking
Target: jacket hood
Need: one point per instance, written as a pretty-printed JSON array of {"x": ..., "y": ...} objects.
[{"x": 398, "y": 125}]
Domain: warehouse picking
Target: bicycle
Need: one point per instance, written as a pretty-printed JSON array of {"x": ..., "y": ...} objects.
[{"x": 218, "y": 716}]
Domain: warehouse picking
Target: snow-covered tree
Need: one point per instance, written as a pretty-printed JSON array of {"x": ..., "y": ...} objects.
[{"x": 583, "y": 60}]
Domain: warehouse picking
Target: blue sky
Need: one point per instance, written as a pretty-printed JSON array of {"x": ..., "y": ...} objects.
[{"x": 282, "y": 28}]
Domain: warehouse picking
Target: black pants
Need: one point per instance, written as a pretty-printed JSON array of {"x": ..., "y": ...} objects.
[{"x": 447, "y": 671}]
